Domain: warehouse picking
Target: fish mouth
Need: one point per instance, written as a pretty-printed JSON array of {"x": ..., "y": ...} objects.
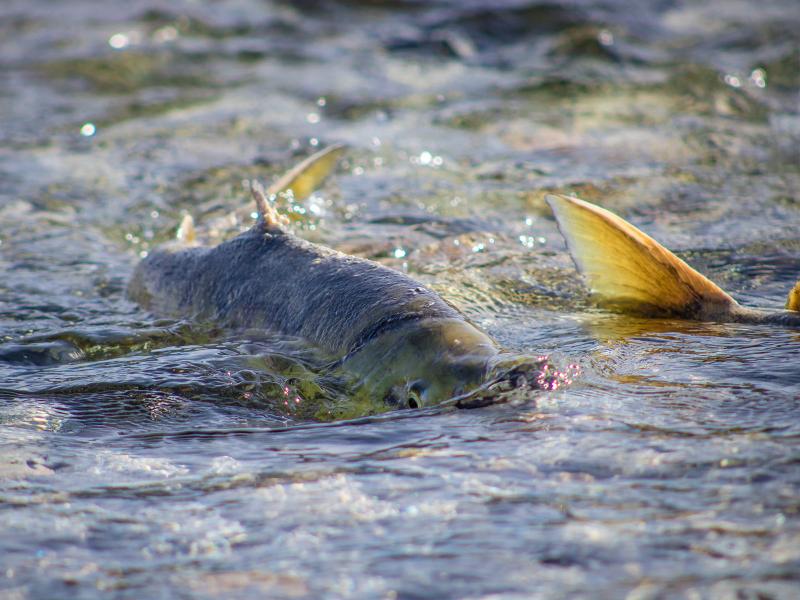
[
  {"x": 512, "y": 378},
  {"x": 500, "y": 388}
]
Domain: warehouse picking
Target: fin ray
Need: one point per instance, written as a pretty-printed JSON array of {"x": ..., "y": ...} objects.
[{"x": 628, "y": 270}]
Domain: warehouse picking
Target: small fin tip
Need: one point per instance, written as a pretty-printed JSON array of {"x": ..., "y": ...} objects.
[
  {"x": 551, "y": 199},
  {"x": 268, "y": 216},
  {"x": 793, "y": 301},
  {"x": 186, "y": 232}
]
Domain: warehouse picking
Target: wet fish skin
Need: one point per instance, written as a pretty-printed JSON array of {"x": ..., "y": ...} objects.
[{"x": 276, "y": 281}]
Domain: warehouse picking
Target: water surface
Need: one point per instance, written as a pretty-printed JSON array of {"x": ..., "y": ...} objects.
[{"x": 149, "y": 458}]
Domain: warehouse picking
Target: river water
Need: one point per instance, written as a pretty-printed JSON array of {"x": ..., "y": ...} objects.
[{"x": 143, "y": 458}]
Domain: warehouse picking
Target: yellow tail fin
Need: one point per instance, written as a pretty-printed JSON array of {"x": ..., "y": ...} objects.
[
  {"x": 628, "y": 270},
  {"x": 305, "y": 177},
  {"x": 793, "y": 302}
]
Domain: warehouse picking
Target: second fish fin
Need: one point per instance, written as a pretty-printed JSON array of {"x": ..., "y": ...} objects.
[{"x": 306, "y": 176}]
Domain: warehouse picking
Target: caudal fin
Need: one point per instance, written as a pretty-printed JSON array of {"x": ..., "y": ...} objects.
[
  {"x": 793, "y": 302},
  {"x": 628, "y": 270},
  {"x": 305, "y": 177}
]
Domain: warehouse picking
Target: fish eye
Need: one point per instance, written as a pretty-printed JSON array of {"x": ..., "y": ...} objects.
[{"x": 414, "y": 395}]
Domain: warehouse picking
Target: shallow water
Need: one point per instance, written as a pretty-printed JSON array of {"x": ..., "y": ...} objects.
[{"x": 150, "y": 458}]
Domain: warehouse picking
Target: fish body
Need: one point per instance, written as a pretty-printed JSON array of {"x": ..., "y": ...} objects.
[
  {"x": 403, "y": 342},
  {"x": 267, "y": 278}
]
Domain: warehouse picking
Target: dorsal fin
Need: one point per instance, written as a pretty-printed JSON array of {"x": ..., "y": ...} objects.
[
  {"x": 268, "y": 215},
  {"x": 630, "y": 271},
  {"x": 300, "y": 181},
  {"x": 305, "y": 177}
]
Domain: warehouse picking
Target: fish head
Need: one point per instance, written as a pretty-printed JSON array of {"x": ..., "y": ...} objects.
[{"x": 424, "y": 362}]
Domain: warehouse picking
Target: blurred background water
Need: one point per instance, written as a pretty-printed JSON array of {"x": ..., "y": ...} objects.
[{"x": 142, "y": 458}]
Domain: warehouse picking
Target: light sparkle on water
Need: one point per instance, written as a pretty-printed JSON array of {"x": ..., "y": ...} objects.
[
  {"x": 165, "y": 34},
  {"x": 733, "y": 81},
  {"x": 118, "y": 41},
  {"x": 759, "y": 78},
  {"x": 605, "y": 37},
  {"x": 427, "y": 159},
  {"x": 88, "y": 129}
]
